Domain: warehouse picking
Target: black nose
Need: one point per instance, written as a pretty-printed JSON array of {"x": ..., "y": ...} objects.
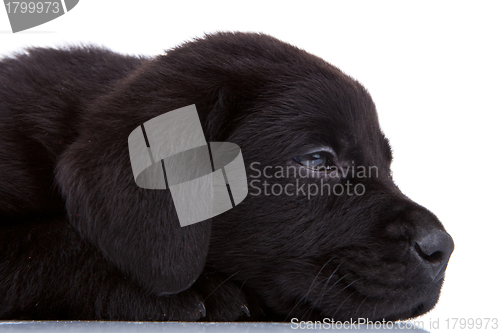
[{"x": 434, "y": 248}]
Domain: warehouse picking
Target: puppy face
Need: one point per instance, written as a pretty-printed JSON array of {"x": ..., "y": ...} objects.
[
  {"x": 323, "y": 232},
  {"x": 308, "y": 253}
]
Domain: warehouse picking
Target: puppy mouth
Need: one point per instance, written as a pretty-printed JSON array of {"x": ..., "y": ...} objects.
[
  {"x": 374, "y": 308},
  {"x": 412, "y": 312},
  {"x": 316, "y": 314}
]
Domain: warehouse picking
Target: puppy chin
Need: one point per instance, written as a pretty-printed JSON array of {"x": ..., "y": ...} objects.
[
  {"x": 394, "y": 310},
  {"x": 423, "y": 307}
]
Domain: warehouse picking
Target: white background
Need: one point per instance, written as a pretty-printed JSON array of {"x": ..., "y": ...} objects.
[{"x": 432, "y": 69}]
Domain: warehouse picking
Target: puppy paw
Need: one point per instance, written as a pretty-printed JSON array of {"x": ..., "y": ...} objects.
[
  {"x": 224, "y": 300},
  {"x": 134, "y": 304},
  {"x": 185, "y": 306}
]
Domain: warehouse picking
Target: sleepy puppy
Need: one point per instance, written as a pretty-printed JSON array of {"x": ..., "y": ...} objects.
[{"x": 323, "y": 232}]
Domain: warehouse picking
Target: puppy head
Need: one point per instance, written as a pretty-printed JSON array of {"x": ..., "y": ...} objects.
[{"x": 324, "y": 231}]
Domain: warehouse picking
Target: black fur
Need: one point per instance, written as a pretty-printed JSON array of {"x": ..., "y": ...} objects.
[{"x": 80, "y": 240}]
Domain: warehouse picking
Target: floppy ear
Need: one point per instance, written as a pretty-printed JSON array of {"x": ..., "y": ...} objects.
[{"x": 137, "y": 229}]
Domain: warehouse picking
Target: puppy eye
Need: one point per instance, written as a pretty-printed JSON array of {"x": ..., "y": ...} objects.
[{"x": 316, "y": 160}]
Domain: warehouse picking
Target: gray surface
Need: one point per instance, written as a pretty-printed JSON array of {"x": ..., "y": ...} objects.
[{"x": 113, "y": 326}]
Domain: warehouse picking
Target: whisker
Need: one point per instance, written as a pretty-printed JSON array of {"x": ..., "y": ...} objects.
[
  {"x": 313, "y": 306},
  {"x": 323, "y": 290},
  {"x": 310, "y": 288},
  {"x": 360, "y": 305},
  {"x": 414, "y": 269},
  {"x": 241, "y": 287},
  {"x": 336, "y": 282},
  {"x": 338, "y": 308},
  {"x": 375, "y": 308},
  {"x": 220, "y": 285},
  {"x": 350, "y": 284}
]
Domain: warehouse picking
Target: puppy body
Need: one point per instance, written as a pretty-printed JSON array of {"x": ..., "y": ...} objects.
[{"x": 80, "y": 240}]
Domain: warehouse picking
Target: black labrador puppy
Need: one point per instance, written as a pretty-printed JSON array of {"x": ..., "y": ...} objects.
[{"x": 323, "y": 232}]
